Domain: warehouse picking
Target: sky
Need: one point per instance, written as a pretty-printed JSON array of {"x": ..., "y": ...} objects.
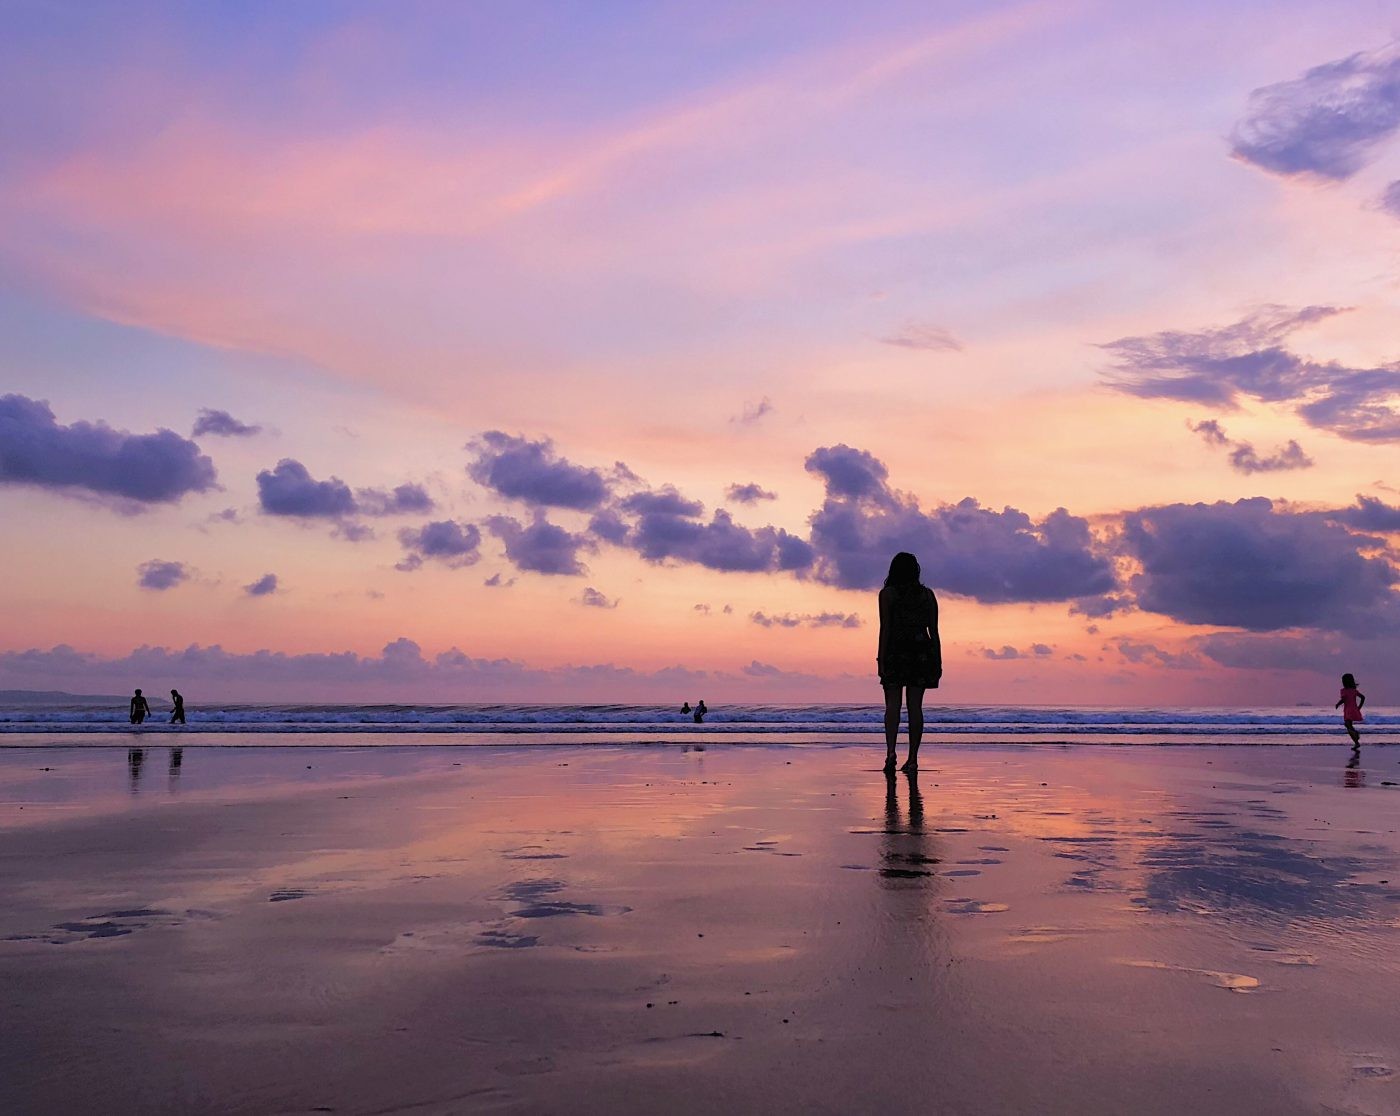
[{"x": 608, "y": 351}]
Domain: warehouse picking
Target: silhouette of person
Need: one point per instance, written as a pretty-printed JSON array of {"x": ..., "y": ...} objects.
[
  {"x": 1351, "y": 702},
  {"x": 685, "y": 708},
  {"x": 910, "y": 656},
  {"x": 700, "y": 712},
  {"x": 177, "y": 715},
  {"x": 135, "y": 757},
  {"x": 140, "y": 708}
]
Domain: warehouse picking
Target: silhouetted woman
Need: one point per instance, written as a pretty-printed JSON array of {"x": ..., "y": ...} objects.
[{"x": 910, "y": 658}]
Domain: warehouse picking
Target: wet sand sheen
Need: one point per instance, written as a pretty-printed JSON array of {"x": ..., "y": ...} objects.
[{"x": 634, "y": 930}]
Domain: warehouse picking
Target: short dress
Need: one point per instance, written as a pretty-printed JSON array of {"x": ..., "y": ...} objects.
[
  {"x": 1350, "y": 710},
  {"x": 910, "y": 657}
]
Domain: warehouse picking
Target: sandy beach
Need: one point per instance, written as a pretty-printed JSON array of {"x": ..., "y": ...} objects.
[{"x": 672, "y": 929}]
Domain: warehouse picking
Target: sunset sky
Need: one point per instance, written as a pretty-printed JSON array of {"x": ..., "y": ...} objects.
[{"x": 605, "y": 351}]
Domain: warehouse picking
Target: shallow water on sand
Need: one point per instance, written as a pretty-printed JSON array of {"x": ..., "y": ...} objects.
[{"x": 639, "y": 929}]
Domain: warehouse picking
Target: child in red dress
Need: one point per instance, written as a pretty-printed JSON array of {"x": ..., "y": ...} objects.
[{"x": 1351, "y": 702}]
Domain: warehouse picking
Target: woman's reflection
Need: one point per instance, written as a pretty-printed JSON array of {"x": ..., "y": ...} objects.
[{"x": 905, "y": 853}]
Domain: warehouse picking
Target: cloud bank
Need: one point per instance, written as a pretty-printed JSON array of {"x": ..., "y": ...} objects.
[
  {"x": 91, "y": 458},
  {"x": 964, "y": 548},
  {"x": 1325, "y": 124},
  {"x": 221, "y": 424},
  {"x": 1248, "y": 359},
  {"x": 161, "y": 575}
]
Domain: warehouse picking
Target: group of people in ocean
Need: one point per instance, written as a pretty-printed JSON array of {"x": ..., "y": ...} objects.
[
  {"x": 141, "y": 708},
  {"x": 698, "y": 713}
]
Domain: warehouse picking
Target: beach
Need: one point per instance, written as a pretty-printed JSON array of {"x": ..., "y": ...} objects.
[{"x": 699, "y": 929}]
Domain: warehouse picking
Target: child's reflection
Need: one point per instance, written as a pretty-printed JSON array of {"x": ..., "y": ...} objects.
[{"x": 1354, "y": 776}]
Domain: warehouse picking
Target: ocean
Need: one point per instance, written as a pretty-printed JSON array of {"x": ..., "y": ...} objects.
[{"x": 479, "y": 724}]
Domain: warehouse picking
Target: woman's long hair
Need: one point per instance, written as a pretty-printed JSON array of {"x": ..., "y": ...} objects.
[{"x": 904, "y": 572}]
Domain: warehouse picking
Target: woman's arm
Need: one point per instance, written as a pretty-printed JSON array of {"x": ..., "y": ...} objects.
[
  {"x": 1360, "y": 699},
  {"x": 933, "y": 633},
  {"x": 883, "y": 645}
]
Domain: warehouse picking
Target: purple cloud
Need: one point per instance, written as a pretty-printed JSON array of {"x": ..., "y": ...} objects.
[
  {"x": 1326, "y": 123},
  {"x": 592, "y": 598},
  {"x": 850, "y": 473},
  {"x": 720, "y": 544},
  {"x": 1390, "y": 199},
  {"x": 93, "y": 458},
  {"x": 609, "y": 526},
  {"x": 1250, "y": 565},
  {"x": 1151, "y": 655},
  {"x": 400, "y": 672},
  {"x": 749, "y": 493},
  {"x": 1369, "y": 514},
  {"x": 265, "y": 586},
  {"x": 665, "y": 501},
  {"x": 1216, "y": 367},
  {"x": 1006, "y": 652},
  {"x": 933, "y": 339},
  {"x": 752, "y": 412},
  {"x": 806, "y": 619},
  {"x": 290, "y": 490},
  {"x": 534, "y": 474},
  {"x": 453, "y": 544},
  {"x": 964, "y": 548},
  {"x": 221, "y": 424},
  {"x": 496, "y": 581},
  {"x": 1244, "y": 458},
  {"x": 541, "y": 547},
  {"x": 406, "y": 499},
  {"x": 160, "y": 575}
]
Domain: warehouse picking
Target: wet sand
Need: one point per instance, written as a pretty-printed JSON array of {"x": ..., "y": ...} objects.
[{"x": 738, "y": 929}]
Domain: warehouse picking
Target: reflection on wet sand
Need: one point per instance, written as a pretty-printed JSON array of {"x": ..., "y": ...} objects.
[
  {"x": 905, "y": 851},
  {"x": 632, "y": 930},
  {"x": 1354, "y": 776}
]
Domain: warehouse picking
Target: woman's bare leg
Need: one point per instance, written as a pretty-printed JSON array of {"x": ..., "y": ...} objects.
[
  {"x": 892, "y": 699},
  {"x": 916, "y": 726}
]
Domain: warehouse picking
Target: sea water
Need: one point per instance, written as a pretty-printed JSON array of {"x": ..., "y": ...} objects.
[{"x": 525, "y": 724}]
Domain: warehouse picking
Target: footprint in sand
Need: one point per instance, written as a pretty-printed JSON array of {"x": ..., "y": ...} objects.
[
  {"x": 1232, "y": 982},
  {"x": 1370, "y": 1068}
]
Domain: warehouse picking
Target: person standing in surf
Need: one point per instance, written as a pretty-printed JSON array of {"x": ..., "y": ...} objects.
[
  {"x": 910, "y": 656},
  {"x": 140, "y": 708}
]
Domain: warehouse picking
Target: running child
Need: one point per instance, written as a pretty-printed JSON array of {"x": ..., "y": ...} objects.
[{"x": 1351, "y": 702}]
